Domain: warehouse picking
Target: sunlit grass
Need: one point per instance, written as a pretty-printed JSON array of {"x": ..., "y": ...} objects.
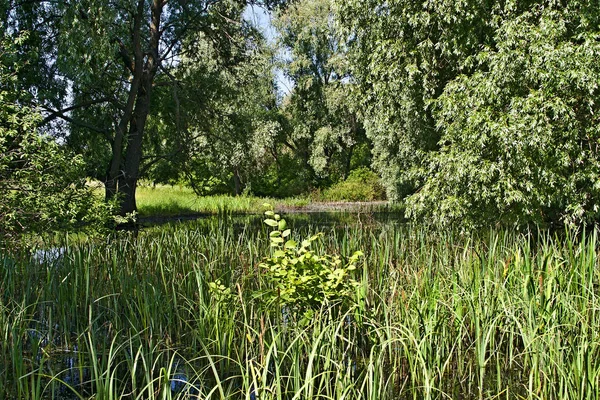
[{"x": 179, "y": 200}]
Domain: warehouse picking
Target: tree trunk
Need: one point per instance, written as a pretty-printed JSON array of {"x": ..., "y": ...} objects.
[
  {"x": 348, "y": 165},
  {"x": 237, "y": 181},
  {"x": 114, "y": 169},
  {"x": 143, "y": 70},
  {"x": 133, "y": 156}
]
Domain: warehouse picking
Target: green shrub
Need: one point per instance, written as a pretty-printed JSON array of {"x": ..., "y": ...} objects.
[
  {"x": 362, "y": 185},
  {"x": 300, "y": 278}
]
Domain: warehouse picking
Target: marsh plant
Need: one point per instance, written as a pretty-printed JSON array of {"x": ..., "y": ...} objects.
[
  {"x": 303, "y": 280},
  {"x": 194, "y": 311}
]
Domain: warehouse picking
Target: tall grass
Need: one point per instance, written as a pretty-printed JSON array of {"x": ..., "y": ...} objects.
[
  {"x": 174, "y": 200},
  {"x": 499, "y": 315}
]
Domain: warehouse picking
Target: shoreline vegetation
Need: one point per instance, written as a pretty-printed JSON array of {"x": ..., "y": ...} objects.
[
  {"x": 179, "y": 202},
  {"x": 415, "y": 217}
]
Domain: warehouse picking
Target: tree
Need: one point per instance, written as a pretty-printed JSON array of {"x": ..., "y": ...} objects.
[
  {"x": 402, "y": 54},
  {"x": 43, "y": 188},
  {"x": 520, "y": 135},
  {"x": 324, "y": 128},
  {"x": 111, "y": 56},
  {"x": 230, "y": 138}
]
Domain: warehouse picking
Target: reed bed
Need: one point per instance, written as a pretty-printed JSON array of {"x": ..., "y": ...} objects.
[{"x": 437, "y": 315}]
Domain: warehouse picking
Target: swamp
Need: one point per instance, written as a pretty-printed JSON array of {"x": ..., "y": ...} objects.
[
  {"x": 299, "y": 199},
  {"x": 186, "y": 310}
]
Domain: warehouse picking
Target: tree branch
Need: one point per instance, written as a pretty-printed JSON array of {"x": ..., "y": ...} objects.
[{"x": 59, "y": 113}]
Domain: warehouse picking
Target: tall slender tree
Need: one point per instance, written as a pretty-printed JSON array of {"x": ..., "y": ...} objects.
[{"x": 324, "y": 128}]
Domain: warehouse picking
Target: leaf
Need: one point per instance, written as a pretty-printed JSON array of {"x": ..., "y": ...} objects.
[
  {"x": 271, "y": 222},
  {"x": 286, "y": 233},
  {"x": 291, "y": 244},
  {"x": 279, "y": 254},
  {"x": 275, "y": 234},
  {"x": 282, "y": 225},
  {"x": 269, "y": 213}
]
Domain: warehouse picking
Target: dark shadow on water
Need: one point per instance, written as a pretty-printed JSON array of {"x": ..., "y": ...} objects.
[{"x": 296, "y": 220}]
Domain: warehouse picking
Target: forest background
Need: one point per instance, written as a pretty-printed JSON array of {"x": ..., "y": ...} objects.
[{"x": 464, "y": 112}]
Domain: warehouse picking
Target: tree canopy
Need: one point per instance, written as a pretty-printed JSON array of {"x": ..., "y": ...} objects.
[
  {"x": 106, "y": 60},
  {"x": 325, "y": 131},
  {"x": 472, "y": 113},
  {"x": 43, "y": 186},
  {"x": 480, "y": 112}
]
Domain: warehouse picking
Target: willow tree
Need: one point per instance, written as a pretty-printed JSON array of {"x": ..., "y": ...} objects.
[
  {"x": 402, "y": 55},
  {"x": 481, "y": 112},
  {"x": 520, "y": 135},
  {"x": 325, "y": 132},
  {"x": 110, "y": 56},
  {"x": 226, "y": 117},
  {"x": 43, "y": 190}
]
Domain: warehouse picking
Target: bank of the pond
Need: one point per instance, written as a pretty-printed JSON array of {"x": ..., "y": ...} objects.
[
  {"x": 182, "y": 203},
  {"x": 179, "y": 312},
  {"x": 342, "y": 212}
]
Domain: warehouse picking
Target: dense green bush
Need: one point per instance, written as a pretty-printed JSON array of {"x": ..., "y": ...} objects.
[
  {"x": 362, "y": 185},
  {"x": 303, "y": 279}
]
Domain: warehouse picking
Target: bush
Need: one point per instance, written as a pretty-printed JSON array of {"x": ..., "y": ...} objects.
[
  {"x": 301, "y": 279},
  {"x": 362, "y": 185}
]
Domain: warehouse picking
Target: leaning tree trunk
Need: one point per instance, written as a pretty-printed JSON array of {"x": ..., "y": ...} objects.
[
  {"x": 128, "y": 179},
  {"x": 144, "y": 70}
]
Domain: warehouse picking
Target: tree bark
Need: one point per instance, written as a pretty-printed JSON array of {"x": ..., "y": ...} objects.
[
  {"x": 237, "y": 181},
  {"x": 125, "y": 163},
  {"x": 133, "y": 156}
]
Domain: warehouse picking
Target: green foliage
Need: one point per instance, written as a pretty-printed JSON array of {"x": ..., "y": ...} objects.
[
  {"x": 225, "y": 118},
  {"x": 483, "y": 112},
  {"x": 362, "y": 185},
  {"x": 324, "y": 130},
  {"x": 43, "y": 187},
  {"x": 286, "y": 177},
  {"x": 300, "y": 278},
  {"x": 520, "y": 134},
  {"x": 109, "y": 68},
  {"x": 401, "y": 55}
]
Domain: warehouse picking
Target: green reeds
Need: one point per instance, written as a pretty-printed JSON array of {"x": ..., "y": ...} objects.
[{"x": 440, "y": 315}]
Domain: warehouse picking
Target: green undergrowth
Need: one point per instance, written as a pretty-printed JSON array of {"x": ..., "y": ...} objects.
[
  {"x": 362, "y": 185},
  {"x": 215, "y": 310},
  {"x": 175, "y": 200}
]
